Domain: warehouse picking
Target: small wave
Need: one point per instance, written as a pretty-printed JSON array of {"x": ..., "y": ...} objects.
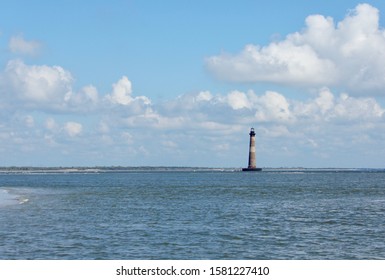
[{"x": 23, "y": 200}]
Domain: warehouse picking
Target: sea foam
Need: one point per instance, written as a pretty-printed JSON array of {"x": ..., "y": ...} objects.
[{"x": 6, "y": 198}]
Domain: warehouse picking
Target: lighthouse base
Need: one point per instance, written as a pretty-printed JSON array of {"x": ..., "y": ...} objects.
[{"x": 251, "y": 169}]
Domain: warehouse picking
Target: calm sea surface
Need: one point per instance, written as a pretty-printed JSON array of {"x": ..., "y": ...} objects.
[{"x": 193, "y": 215}]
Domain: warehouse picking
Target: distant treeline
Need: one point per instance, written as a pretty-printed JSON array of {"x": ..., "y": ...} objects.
[{"x": 75, "y": 169}]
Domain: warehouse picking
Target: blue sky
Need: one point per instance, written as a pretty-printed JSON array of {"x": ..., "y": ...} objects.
[{"x": 180, "y": 83}]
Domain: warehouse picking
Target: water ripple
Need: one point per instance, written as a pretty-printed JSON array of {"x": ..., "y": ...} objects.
[{"x": 194, "y": 215}]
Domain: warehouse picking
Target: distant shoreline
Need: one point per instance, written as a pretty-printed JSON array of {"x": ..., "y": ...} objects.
[
  {"x": 109, "y": 169},
  {"x": 122, "y": 169}
]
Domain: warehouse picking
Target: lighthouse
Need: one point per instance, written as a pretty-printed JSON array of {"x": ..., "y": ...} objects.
[{"x": 252, "y": 159}]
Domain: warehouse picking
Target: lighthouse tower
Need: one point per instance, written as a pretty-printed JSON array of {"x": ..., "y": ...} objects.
[{"x": 252, "y": 159}]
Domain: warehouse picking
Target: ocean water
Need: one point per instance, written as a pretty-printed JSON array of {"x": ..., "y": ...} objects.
[{"x": 193, "y": 215}]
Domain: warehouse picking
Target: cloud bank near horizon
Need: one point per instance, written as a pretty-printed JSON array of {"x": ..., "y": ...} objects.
[{"x": 120, "y": 123}]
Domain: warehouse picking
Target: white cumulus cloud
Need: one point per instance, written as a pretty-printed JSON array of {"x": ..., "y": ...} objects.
[
  {"x": 87, "y": 99},
  {"x": 36, "y": 85},
  {"x": 238, "y": 100},
  {"x": 349, "y": 54},
  {"x": 327, "y": 107},
  {"x": 272, "y": 106},
  {"x": 122, "y": 93},
  {"x": 50, "y": 89}
]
